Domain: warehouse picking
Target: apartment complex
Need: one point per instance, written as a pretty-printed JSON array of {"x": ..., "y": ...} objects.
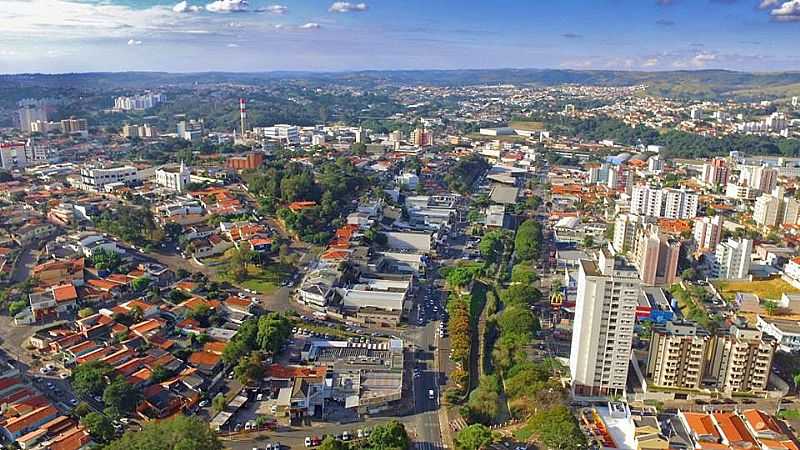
[
  {"x": 732, "y": 259},
  {"x": 715, "y": 173},
  {"x": 683, "y": 355},
  {"x": 656, "y": 256},
  {"x": 605, "y": 311},
  {"x": 663, "y": 203},
  {"x": 707, "y": 233}
]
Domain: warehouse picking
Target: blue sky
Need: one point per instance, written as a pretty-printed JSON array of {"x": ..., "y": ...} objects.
[{"x": 263, "y": 35}]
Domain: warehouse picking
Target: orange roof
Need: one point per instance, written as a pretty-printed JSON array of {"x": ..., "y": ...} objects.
[
  {"x": 17, "y": 424},
  {"x": 140, "y": 376},
  {"x": 72, "y": 439},
  {"x": 674, "y": 226},
  {"x": 297, "y": 206},
  {"x": 65, "y": 293},
  {"x": 146, "y": 326},
  {"x": 237, "y": 302},
  {"x": 186, "y": 286},
  {"x": 761, "y": 421},
  {"x": 215, "y": 347},
  {"x": 103, "y": 285},
  {"x": 733, "y": 428},
  {"x": 196, "y": 302},
  {"x": 335, "y": 255},
  {"x": 701, "y": 424},
  {"x": 204, "y": 358},
  {"x": 285, "y": 372}
]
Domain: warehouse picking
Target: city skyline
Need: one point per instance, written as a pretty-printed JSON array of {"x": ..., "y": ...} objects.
[{"x": 55, "y": 36}]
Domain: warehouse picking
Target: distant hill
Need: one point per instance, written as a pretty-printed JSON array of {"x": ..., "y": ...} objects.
[{"x": 681, "y": 84}]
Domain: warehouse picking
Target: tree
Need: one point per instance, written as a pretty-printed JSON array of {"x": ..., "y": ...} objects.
[
  {"x": 234, "y": 350},
  {"x": 218, "y": 403},
  {"x": 520, "y": 294},
  {"x": 82, "y": 409},
  {"x": 588, "y": 241},
  {"x": 473, "y": 437},
  {"x": 556, "y": 428},
  {"x": 527, "y": 243},
  {"x": 523, "y": 273},
  {"x": 518, "y": 319},
  {"x": 331, "y": 443},
  {"x": 140, "y": 284},
  {"x": 99, "y": 426},
  {"x": 391, "y": 436},
  {"x": 249, "y": 369},
  {"x": 491, "y": 246},
  {"x": 86, "y": 312},
  {"x": 88, "y": 379},
  {"x": 273, "y": 331},
  {"x": 177, "y": 433},
  {"x": 484, "y": 401},
  {"x": 160, "y": 374},
  {"x": 689, "y": 274},
  {"x": 103, "y": 259},
  {"x": 770, "y": 307},
  {"x": 17, "y": 307},
  {"x": 122, "y": 395}
]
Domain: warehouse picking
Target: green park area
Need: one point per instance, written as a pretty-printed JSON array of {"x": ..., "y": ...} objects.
[{"x": 765, "y": 289}]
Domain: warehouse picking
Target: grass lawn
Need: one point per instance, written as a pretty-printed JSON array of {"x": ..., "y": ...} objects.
[
  {"x": 511, "y": 138},
  {"x": 262, "y": 280},
  {"x": 526, "y": 125},
  {"x": 764, "y": 289}
]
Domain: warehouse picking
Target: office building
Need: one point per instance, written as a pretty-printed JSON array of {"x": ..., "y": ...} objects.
[
  {"x": 287, "y": 134},
  {"x": 421, "y": 138},
  {"x": 605, "y": 311},
  {"x": 677, "y": 355},
  {"x": 663, "y": 203},
  {"x": 732, "y": 259},
  {"x": 707, "y": 233},
  {"x": 175, "y": 179},
  {"x": 715, "y": 173},
  {"x": 191, "y": 130},
  {"x": 656, "y": 257},
  {"x": 13, "y": 156}
]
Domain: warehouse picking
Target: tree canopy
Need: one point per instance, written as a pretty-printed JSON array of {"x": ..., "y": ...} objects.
[{"x": 179, "y": 432}]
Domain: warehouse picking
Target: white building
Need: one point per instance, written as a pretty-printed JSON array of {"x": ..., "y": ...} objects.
[
  {"x": 707, "y": 232},
  {"x": 655, "y": 164},
  {"x": 666, "y": 203},
  {"x": 740, "y": 191},
  {"x": 605, "y": 311},
  {"x": 289, "y": 134},
  {"x": 174, "y": 179},
  {"x": 732, "y": 259},
  {"x": 767, "y": 211},
  {"x": 762, "y": 178},
  {"x": 786, "y": 332},
  {"x": 138, "y": 102},
  {"x": 96, "y": 178}
]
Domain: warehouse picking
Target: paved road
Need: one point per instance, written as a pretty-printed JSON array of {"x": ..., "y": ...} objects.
[{"x": 25, "y": 262}]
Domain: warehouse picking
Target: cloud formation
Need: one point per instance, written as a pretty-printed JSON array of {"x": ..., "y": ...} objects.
[
  {"x": 134, "y": 42},
  {"x": 786, "y": 12},
  {"x": 345, "y": 7},
  {"x": 185, "y": 7},
  {"x": 310, "y": 26},
  {"x": 278, "y": 10},
  {"x": 225, "y": 6}
]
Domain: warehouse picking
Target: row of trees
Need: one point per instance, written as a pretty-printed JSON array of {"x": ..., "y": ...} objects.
[
  {"x": 463, "y": 174},
  {"x": 528, "y": 241},
  {"x": 267, "y": 334},
  {"x": 131, "y": 223}
]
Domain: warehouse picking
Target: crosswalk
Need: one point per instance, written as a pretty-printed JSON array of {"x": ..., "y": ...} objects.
[{"x": 429, "y": 446}]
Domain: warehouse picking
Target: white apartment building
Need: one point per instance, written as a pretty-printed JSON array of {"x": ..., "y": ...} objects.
[
  {"x": 12, "y": 156},
  {"x": 677, "y": 355},
  {"x": 740, "y": 192},
  {"x": 732, "y": 259},
  {"x": 707, "y": 232},
  {"x": 767, "y": 211},
  {"x": 655, "y": 164},
  {"x": 762, "y": 178},
  {"x": 174, "y": 179},
  {"x": 138, "y": 102},
  {"x": 666, "y": 203},
  {"x": 96, "y": 178},
  {"x": 605, "y": 311}
]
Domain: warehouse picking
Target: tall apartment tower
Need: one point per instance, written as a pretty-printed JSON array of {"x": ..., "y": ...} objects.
[
  {"x": 715, "y": 173},
  {"x": 243, "y": 115},
  {"x": 740, "y": 360},
  {"x": 677, "y": 355},
  {"x": 656, "y": 257},
  {"x": 732, "y": 259},
  {"x": 707, "y": 232},
  {"x": 605, "y": 311}
]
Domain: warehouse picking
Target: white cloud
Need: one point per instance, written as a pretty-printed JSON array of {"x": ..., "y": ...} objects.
[
  {"x": 310, "y": 26},
  {"x": 652, "y": 62},
  {"x": 276, "y": 9},
  {"x": 787, "y": 12},
  {"x": 134, "y": 42},
  {"x": 344, "y": 7},
  {"x": 701, "y": 59},
  {"x": 232, "y": 45},
  {"x": 224, "y": 6},
  {"x": 184, "y": 7},
  {"x": 767, "y": 4}
]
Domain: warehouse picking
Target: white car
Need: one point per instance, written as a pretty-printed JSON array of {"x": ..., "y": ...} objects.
[{"x": 308, "y": 441}]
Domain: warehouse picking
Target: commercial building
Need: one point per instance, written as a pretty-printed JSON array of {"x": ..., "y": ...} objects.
[
  {"x": 605, "y": 312},
  {"x": 666, "y": 203},
  {"x": 12, "y": 156},
  {"x": 252, "y": 160},
  {"x": 707, "y": 233},
  {"x": 732, "y": 259},
  {"x": 289, "y": 134}
]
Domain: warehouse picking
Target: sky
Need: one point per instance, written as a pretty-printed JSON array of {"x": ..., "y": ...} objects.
[{"x": 56, "y": 36}]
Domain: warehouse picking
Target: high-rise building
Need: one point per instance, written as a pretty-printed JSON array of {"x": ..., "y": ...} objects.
[
  {"x": 696, "y": 114},
  {"x": 421, "y": 138},
  {"x": 605, "y": 311},
  {"x": 656, "y": 257},
  {"x": 139, "y": 102},
  {"x": 763, "y": 178},
  {"x": 732, "y": 259},
  {"x": 361, "y": 136},
  {"x": 677, "y": 355},
  {"x": 30, "y": 110},
  {"x": 666, "y": 203},
  {"x": 626, "y": 228},
  {"x": 707, "y": 232},
  {"x": 715, "y": 173},
  {"x": 767, "y": 211},
  {"x": 740, "y": 360},
  {"x": 791, "y": 211},
  {"x": 73, "y": 125},
  {"x": 655, "y": 164},
  {"x": 395, "y": 136}
]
